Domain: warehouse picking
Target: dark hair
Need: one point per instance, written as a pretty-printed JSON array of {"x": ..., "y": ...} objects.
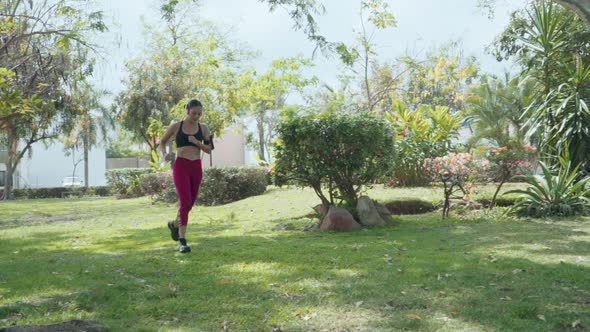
[{"x": 193, "y": 103}]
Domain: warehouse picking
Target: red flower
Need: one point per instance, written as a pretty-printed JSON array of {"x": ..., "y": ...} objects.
[
  {"x": 404, "y": 133},
  {"x": 379, "y": 155}
]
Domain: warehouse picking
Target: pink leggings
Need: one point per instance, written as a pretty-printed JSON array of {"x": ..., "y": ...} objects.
[{"x": 187, "y": 176}]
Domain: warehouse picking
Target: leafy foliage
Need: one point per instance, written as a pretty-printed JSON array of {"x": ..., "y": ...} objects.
[
  {"x": 421, "y": 133},
  {"x": 551, "y": 44},
  {"x": 340, "y": 153},
  {"x": 453, "y": 171},
  {"x": 554, "y": 192}
]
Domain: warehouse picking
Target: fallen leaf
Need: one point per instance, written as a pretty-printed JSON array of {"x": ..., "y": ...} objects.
[
  {"x": 414, "y": 316},
  {"x": 577, "y": 324},
  {"x": 506, "y": 298},
  {"x": 358, "y": 304},
  {"x": 515, "y": 271},
  {"x": 541, "y": 317},
  {"x": 225, "y": 326}
]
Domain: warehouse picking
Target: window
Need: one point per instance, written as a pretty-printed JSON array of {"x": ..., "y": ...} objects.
[{"x": 2, "y": 174}]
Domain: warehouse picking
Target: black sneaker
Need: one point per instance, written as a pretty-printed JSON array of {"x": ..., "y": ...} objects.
[
  {"x": 173, "y": 231},
  {"x": 184, "y": 249}
]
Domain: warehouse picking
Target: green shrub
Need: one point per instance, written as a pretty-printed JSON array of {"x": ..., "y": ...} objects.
[
  {"x": 553, "y": 193},
  {"x": 337, "y": 153},
  {"x": 409, "y": 206},
  {"x": 422, "y": 132},
  {"x": 58, "y": 192},
  {"x": 222, "y": 185},
  {"x": 409, "y": 165},
  {"x": 159, "y": 186},
  {"x": 102, "y": 190},
  {"x": 124, "y": 182},
  {"x": 500, "y": 201}
]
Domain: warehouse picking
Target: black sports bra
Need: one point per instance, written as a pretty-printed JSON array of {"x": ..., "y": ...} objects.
[{"x": 182, "y": 138}]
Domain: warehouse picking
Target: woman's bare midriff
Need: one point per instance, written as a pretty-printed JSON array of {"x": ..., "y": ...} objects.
[{"x": 188, "y": 152}]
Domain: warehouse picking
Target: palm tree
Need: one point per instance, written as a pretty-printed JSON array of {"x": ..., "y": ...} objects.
[
  {"x": 94, "y": 119},
  {"x": 495, "y": 107}
]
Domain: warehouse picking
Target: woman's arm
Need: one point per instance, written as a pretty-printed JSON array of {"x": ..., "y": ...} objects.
[
  {"x": 166, "y": 138},
  {"x": 206, "y": 139}
]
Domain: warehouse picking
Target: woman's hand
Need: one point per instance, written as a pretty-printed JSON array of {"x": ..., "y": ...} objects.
[{"x": 193, "y": 140}]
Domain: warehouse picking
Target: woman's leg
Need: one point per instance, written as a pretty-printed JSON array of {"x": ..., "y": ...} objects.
[
  {"x": 196, "y": 175},
  {"x": 182, "y": 182}
]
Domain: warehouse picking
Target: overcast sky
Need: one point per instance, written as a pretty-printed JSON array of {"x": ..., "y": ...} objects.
[{"x": 421, "y": 24}]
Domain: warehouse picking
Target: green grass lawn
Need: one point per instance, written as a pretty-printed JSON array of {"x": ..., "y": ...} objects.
[{"x": 113, "y": 261}]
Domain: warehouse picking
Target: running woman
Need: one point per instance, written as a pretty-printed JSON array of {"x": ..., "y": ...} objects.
[{"x": 192, "y": 138}]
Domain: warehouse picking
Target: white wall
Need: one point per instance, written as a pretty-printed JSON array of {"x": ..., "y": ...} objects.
[
  {"x": 49, "y": 165},
  {"x": 229, "y": 149}
]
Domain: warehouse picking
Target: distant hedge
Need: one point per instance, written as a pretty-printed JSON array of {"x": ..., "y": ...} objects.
[{"x": 58, "y": 192}]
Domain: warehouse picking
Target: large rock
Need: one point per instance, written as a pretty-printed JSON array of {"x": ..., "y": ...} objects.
[
  {"x": 382, "y": 210},
  {"x": 321, "y": 210},
  {"x": 368, "y": 214},
  {"x": 339, "y": 219}
]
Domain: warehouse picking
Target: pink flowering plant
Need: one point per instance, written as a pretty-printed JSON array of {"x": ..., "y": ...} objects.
[
  {"x": 455, "y": 171},
  {"x": 506, "y": 162},
  {"x": 159, "y": 186}
]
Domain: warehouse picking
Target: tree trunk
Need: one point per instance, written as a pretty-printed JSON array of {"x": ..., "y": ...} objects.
[
  {"x": 367, "y": 85},
  {"x": 86, "y": 150},
  {"x": 493, "y": 202},
  {"x": 10, "y": 165},
  {"x": 261, "y": 141}
]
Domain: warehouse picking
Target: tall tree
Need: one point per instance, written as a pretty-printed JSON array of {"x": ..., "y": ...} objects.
[
  {"x": 266, "y": 94},
  {"x": 38, "y": 58},
  {"x": 361, "y": 57},
  {"x": 441, "y": 79},
  {"x": 91, "y": 126},
  {"x": 182, "y": 60}
]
